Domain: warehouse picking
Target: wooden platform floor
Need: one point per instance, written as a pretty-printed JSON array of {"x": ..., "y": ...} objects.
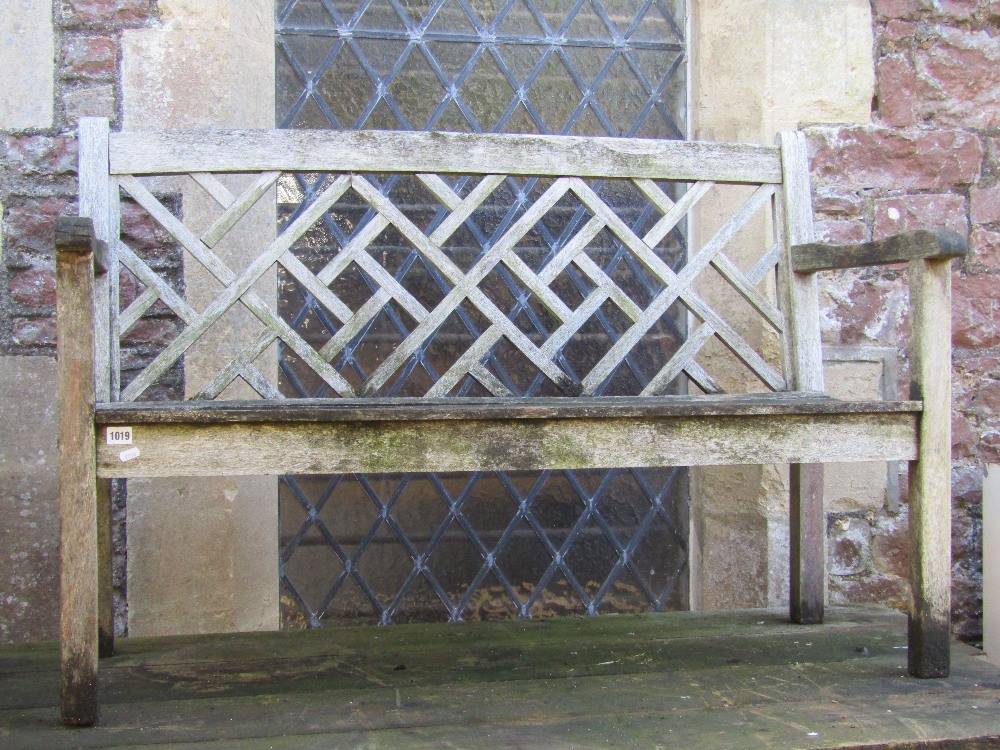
[{"x": 682, "y": 680}]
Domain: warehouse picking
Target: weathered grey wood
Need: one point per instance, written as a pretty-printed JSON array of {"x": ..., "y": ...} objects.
[
  {"x": 464, "y": 285},
  {"x": 930, "y": 474},
  {"x": 237, "y": 289},
  {"x": 76, "y": 472},
  {"x": 904, "y": 247},
  {"x": 796, "y": 228},
  {"x": 807, "y": 540},
  {"x": 492, "y": 444},
  {"x": 105, "y": 595},
  {"x": 238, "y": 208},
  {"x": 704, "y": 681},
  {"x": 678, "y": 285},
  {"x": 423, "y": 409},
  {"x": 804, "y": 355},
  {"x": 97, "y": 204},
  {"x": 390, "y": 151}
]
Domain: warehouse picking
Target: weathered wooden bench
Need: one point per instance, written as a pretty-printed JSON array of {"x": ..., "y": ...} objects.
[{"x": 107, "y": 430}]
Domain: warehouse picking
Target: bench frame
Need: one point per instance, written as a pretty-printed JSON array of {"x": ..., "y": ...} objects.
[{"x": 798, "y": 426}]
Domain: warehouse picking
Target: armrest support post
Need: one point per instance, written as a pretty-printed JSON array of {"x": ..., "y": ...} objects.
[
  {"x": 930, "y": 474},
  {"x": 75, "y": 244}
]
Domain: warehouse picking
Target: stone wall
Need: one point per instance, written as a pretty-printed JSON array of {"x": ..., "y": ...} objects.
[
  {"x": 76, "y": 74},
  {"x": 931, "y": 157}
]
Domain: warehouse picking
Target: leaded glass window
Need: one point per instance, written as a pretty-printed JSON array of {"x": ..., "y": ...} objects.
[{"x": 416, "y": 547}]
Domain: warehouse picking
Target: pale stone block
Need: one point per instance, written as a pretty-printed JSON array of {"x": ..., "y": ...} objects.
[
  {"x": 758, "y": 67},
  {"x": 211, "y": 64},
  {"x": 854, "y": 486},
  {"x": 761, "y": 66},
  {"x": 819, "y": 62},
  {"x": 206, "y": 557},
  {"x": 29, "y": 507},
  {"x": 27, "y": 53},
  {"x": 202, "y": 555},
  {"x": 93, "y": 101}
]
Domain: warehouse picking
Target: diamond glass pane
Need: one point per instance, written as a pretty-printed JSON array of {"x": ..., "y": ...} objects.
[{"x": 423, "y": 547}]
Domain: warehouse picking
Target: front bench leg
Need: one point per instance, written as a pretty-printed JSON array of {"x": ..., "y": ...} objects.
[
  {"x": 77, "y": 464},
  {"x": 930, "y": 475}
]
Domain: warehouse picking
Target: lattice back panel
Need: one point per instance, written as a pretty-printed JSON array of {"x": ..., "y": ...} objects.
[{"x": 425, "y": 285}]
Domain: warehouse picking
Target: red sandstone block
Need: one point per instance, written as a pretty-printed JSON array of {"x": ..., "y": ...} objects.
[
  {"x": 833, "y": 202},
  {"x": 897, "y": 84},
  {"x": 842, "y": 231},
  {"x": 872, "y": 157},
  {"x": 963, "y": 437},
  {"x": 866, "y": 309},
  {"x": 985, "y": 204},
  {"x": 34, "y": 288},
  {"x": 891, "y": 545},
  {"x": 156, "y": 332},
  {"x": 41, "y": 155},
  {"x": 986, "y": 399},
  {"x": 89, "y": 57},
  {"x": 975, "y": 321},
  {"x": 108, "y": 11},
  {"x": 942, "y": 10},
  {"x": 941, "y": 211},
  {"x": 897, "y": 33},
  {"x": 30, "y": 223},
  {"x": 984, "y": 248},
  {"x": 34, "y": 331},
  {"x": 954, "y": 81}
]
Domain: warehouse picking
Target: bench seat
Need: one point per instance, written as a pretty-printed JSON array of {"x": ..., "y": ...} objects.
[{"x": 320, "y": 436}]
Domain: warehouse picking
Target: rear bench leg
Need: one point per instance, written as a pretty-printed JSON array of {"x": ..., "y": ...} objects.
[{"x": 807, "y": 529}]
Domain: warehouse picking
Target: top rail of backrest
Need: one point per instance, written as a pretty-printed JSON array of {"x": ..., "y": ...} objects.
[{"x": 178, "y": 152}]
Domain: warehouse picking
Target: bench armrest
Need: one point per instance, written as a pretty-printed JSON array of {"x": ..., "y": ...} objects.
[
  {"x": 75, "y": 234},
  {"x": 921, "y": 244},
  {"x": 929, "y": 254}
]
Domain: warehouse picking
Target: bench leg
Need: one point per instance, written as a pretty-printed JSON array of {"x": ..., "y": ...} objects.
[
  {"x": 105, "y": 589},
  {"x": 807, "y": 531},
  {"x": 930, "y": 474},
  {"x": 77, "y": 478}
]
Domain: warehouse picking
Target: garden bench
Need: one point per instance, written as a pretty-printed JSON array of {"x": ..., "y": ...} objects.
[{"x": 608, "y": 197}]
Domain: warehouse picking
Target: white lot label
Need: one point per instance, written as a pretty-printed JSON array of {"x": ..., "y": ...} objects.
[
  {"x": 128, "y": 454},
  {"x": 119, "y": 436}
]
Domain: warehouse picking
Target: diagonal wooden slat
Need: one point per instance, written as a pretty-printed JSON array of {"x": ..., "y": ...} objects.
[
  {"x": 682, "y": 360},
  {"x": 238, "y": 208},
  {"x": 130, "y": 316},
  {"x": 211, "y": 185},
  {"x": 465, "y": 284},
  {"x": 678, "y": 286},
  {"x": 237, "y": 289}
]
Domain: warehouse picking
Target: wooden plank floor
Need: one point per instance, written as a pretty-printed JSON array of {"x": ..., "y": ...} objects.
[{"x": 684, "y": 680}]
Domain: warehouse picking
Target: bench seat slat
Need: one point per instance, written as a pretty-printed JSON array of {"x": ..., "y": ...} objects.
[{"x": 392, "y": 409}]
